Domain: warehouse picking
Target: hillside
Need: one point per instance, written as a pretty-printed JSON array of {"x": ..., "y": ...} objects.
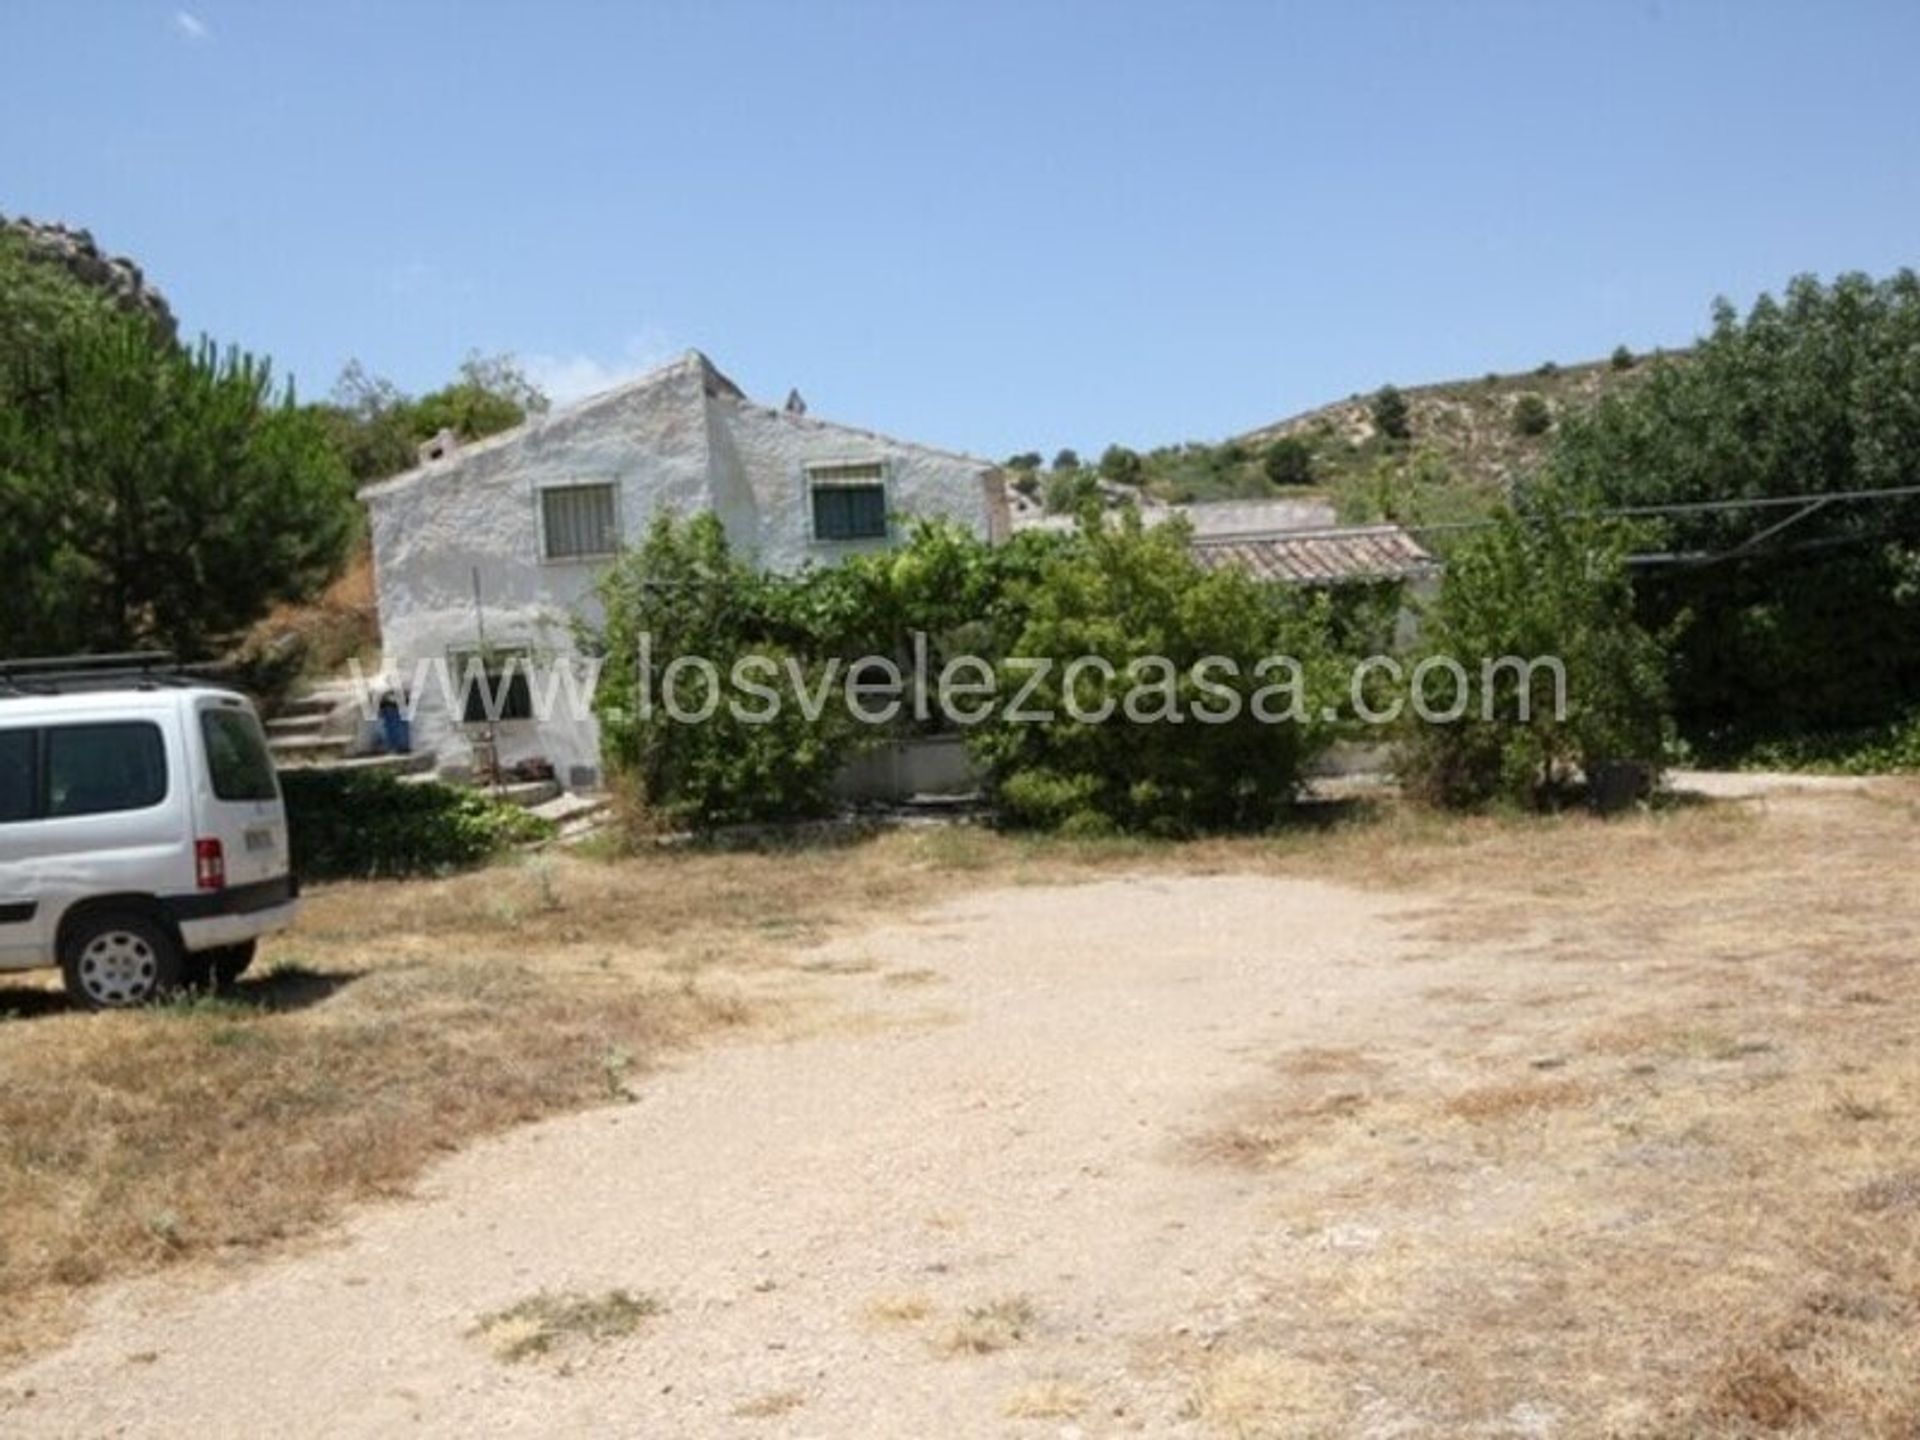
[{"x": 1464, "y": 441}]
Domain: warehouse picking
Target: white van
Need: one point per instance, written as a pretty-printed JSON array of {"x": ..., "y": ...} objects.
[{"x": 143, "y": 842}]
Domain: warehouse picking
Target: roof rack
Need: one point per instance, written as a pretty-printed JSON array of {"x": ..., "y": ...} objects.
[{"x": 60, "y": 674}]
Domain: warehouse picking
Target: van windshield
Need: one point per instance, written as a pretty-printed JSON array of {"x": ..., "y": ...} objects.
[{"x": 237, "y": 756}]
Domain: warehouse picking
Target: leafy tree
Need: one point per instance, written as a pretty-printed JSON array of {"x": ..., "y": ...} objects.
[
  {"x": 1531, "y": 415},
  {"x": 1818, "y": 627},
  {"x": 1071, "y": 490},
  {"x": 1288, "y": 462},
  {"x": 683, "y": 593},
  {"x": 1025, "y": 460},
  {"x": 377, "y": 428},
  {"x": 151, "y": 494},
  {"x": 1121, "y": 465},
  {"x": 1123, "y": 593},
  {"x": 491, "y": 394},
  {"x": 1391, "y": 416},
  {"x": 1547, "y": 581},
  {"x": 1622, "y": 358},
  {"x": 1066, "y": 459}
]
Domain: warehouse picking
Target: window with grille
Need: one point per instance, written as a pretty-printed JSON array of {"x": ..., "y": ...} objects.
[
  {"x": 493, "y": 684},
  {"x": 580, "y": 522},
  {"x": 849, "y": 500}
]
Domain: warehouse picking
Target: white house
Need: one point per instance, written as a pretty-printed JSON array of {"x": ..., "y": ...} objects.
[{"x": 493, "y": 548}]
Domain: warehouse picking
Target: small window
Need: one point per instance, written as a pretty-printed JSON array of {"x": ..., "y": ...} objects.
[
  {"x": 494, "y": 685},
  {"x": 16, "y": 774},
  {"x": 580, "y": 522},
  {"x": 237, "y": 757},
  {"x": 99, "y": 769},
  {"x": 849, "y": 500}
]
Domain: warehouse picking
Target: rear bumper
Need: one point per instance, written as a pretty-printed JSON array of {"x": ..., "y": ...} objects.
[{"x": 238, "y": 913}]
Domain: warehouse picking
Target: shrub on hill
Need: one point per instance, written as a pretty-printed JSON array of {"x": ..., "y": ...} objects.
[{"x": 1288, "y": 462}]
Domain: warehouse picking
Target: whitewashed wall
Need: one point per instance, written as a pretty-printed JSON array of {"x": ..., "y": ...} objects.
[{"x": 682, "y": 439}]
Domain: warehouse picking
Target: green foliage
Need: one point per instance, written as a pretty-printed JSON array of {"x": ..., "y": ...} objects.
[
  {"x": 684, "y": 593},
  {"x": 1120, "y": 465},
  {"x": 1025, "y": 460},
  {"x": 367, "y": 824},
  {"x": 1547, "y": 581},
  {"x": 1123, "y": 593},
  {"x": 1531, "y": 415},
  {"x": 1070, "y": 489},
  {"x": 1391, "y": 417},
  {"x": 153, "y": 495},
  {"x": 1066, "y": 460},
  {"x": 1622, "y": 358},
  {"x": 1879, "y": 750},
  {"x": 1200, "y": 472},
  {"x": 1818, "y": 629},
  {"x": 377, "y": 429},
  {"x": 1288, "y": 462}
]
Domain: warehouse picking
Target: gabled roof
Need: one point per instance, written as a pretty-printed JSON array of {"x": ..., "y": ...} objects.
[
  {"x": 693, "y": 362},
  {"x": 1333, "y": 556},
  {"x": 713, "y": 384}
]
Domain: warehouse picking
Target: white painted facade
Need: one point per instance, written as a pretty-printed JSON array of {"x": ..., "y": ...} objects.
[{"x": 681, "y": 439}]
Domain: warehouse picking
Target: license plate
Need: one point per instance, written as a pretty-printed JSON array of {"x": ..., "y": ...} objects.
[{"x": 258, "y": 840}]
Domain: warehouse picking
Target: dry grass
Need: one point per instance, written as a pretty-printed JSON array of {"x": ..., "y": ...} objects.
[
  {"x": 544, "y": 1324},
  {"x": 990, "y": 1326},
  {"x": 1518, "y": 1098},
  {"x": 908, "y": 1309},
  {"x": 1658, "y": 1182},
  {"x": 1050, "y": 1399},
  {"x": 771, "y": 1405},
  {"x": 1259, "y": 1393}
]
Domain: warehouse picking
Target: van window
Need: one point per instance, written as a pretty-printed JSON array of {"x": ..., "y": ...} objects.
[
  {"x": 16, "y": 775},
  {"x": 96, "y": 769},
  {"x": 237, "y": 757}
]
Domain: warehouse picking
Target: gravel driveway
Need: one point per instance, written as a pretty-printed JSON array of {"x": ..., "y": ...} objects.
[{"x": 996, "y": 1119}]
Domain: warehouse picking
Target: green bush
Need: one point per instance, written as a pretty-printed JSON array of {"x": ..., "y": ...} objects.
[
  {"x": 1121, "y": 465},
  {"x": 684, "y": 593},
  {"x": 372, "y": 824},
  {"x": 1122, "y": 592},
  {"x": 1893, "y": 748},
  {"x": 1070, "y": 489},
  {"x": 1549, "y": 581},
  {"x": 1391, "y": 416},
  {"x": 1531, "y": 415},
  {"x": 1288, "y": 462}
]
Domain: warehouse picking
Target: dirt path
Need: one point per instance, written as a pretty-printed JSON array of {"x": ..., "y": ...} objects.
[{"x": 1005, "y": 1119}]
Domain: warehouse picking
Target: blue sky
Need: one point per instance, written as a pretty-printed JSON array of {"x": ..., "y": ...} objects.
[{"x": 987, "y": 226}]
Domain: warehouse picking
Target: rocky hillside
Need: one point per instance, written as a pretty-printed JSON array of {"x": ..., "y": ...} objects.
[
  {"x": 1478, "y": 434},
  {"x": 117, "y": 277}
]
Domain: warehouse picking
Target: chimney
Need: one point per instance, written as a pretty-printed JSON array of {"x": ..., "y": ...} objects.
[{"x": 439, "y": 447}]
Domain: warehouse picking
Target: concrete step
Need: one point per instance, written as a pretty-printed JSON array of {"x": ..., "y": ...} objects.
[
  {"x": 419, "y": 764},
  {"x": 299, "y": 748},
  {"x": 528, "y": 794},
  {"x": 315, "y": 706},
  {"x": 534, "y": 795},
  {"x": 294, "y": 726},
  {"x": 566, "y": 808}
]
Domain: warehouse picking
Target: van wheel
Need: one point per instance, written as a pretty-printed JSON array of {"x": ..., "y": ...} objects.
[
  {"x": 222, "y": 967},
  {"x": 119, "y": 958}
]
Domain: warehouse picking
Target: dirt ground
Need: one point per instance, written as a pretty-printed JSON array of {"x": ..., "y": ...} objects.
[{"x": 1567, "y": 1129}]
